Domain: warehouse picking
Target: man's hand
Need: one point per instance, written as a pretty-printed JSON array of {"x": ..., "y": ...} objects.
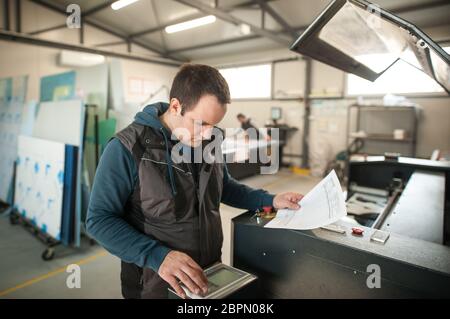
[
  {"x": 287, "y": 200},
  {"x": 178, "y": 266}
]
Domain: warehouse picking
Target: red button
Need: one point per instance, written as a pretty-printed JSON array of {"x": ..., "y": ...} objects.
[
  {"x": 357, "y": 231},
  {"x": 267, "y": 209}
]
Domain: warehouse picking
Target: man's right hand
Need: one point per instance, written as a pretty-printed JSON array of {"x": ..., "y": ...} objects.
[{"x": 177, "y": 267}]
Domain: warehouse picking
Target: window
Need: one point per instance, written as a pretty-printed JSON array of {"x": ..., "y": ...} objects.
[
  {"x": 401, "y": 78},
  {"x": 249, "y": 81}
]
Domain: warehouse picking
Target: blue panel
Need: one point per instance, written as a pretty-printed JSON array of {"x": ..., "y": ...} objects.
[
  {"x": 58, "y": 87},
  {"x": 69, "y": 197},
  {"x": 5, "y": 89},
  {"x": 15, "y": 118}
]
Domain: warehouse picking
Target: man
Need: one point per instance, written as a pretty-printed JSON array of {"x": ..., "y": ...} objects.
[
  {"x": 246, "y": 124},
  {"x": 161, "y": 218}
]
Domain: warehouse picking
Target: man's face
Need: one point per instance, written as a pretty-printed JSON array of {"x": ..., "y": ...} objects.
[{"x": 199, "y": 120}]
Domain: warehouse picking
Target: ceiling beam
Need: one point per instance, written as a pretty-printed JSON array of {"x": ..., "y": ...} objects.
[
  {"x": 18, "y": 15},
  {"x": 267, "y": 8},
  {"x": 98, "y": 8},
  {"x": 23, "y": 38},
  {"x": 254, "y": 2},
  {"x": 263, "y": 18},
  {"x": 163, "y": 26},
  {"x": 141, "y": 43},
  {"x": 56, "y": 27},
  {"x": 191, "y": 17},
  {"x": 123, "y": 37},
  {"x": 6, "y": 20},
  {"x": 108, "y": 44},
  {"x": 84, "y": 15},
  {"x": 215, "y": 43},
  {"x": 225, "y": 16},
  {"x": 227, "y": 41},
  {"x": 443, "y": 40},
  {"x": 250, "y": 3},
  {"x": 157, "y": 20},
  {"x": 81, "y": 31},
  {"x": 146, "y": 31},
  {"x": 297, "y": 29},
  {"x": 418, "y": 7}
]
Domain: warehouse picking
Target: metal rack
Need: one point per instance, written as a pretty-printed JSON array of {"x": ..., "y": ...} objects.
[
  {"x": 379, "y": 123},
  {"x": 16, "y": 218}
]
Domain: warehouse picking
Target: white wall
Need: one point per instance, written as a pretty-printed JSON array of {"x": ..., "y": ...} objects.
[
  {"x": 127, "y": 99},
  {"x": 434, "y": 127},
  {"x": 34, "y": 61},
  {"x": 152, "y": 75}
]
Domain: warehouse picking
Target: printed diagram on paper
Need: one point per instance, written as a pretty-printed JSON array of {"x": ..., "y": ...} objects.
[{"x": 323, "y": 205}]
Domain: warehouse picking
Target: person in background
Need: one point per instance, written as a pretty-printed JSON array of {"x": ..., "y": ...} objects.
[{"x": 247, "y": 124}]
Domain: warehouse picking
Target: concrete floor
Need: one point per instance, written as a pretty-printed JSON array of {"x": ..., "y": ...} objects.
[{"x": 23, "y": 274}]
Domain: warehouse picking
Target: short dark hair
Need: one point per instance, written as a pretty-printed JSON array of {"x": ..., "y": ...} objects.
[
  {"x": 195, "y": 80},
  {"x": 240, "y": 115}
]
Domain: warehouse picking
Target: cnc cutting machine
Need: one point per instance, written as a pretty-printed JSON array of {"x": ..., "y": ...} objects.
[
  {"x": 394, "y": 242},
  {"x": 404, "y": 218}
]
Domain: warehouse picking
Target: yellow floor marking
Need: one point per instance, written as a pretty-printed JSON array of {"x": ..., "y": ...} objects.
[{"x": 51, "y": 274}]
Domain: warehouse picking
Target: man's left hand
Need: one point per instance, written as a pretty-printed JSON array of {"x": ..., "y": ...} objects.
[{"x": 287, "y": 200}]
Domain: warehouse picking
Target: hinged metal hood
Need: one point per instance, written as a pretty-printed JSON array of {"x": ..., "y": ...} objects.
[{"x": 348, "y": 33}]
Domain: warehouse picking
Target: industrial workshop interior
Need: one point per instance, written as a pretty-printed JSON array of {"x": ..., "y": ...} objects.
[{"x": 224, "y": 149}]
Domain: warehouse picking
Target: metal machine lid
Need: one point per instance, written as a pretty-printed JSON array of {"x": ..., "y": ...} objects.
[{"x": 348, "y": 33}]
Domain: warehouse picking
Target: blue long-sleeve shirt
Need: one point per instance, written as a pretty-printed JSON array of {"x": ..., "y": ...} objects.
[{"x": 114, "y": 182}]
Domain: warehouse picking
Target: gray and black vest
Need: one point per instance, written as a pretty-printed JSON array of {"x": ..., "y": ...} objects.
[{"x": 188, "y": 221}]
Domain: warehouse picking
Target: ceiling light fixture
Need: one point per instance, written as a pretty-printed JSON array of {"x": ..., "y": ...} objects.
[
  {"x": 122, "y": 3},
  {"x": 190, "y": 24}
]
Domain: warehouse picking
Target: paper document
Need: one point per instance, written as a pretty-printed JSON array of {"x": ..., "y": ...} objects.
[{"x": 323, "y": 205}]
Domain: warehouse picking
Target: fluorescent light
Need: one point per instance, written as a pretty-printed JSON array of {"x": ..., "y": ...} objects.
[
  {"x": 190, "y": 24},
  {"x": 122, "y": 3}
]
